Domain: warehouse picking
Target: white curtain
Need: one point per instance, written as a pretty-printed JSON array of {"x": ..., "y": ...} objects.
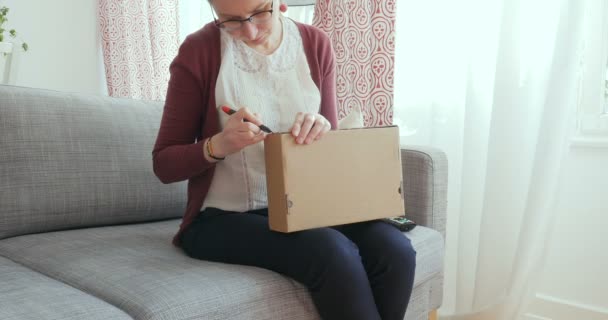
[{"x": 494, "y": 84}]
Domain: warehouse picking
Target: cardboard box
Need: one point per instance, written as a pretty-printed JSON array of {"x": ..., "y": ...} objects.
[{"x": 347, "y": 176}]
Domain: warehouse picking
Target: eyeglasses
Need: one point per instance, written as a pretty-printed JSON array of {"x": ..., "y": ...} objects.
[{"x": 235, "y": 24}]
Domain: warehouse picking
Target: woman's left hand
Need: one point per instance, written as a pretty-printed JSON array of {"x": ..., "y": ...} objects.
[{"x": 309, "y": 127}]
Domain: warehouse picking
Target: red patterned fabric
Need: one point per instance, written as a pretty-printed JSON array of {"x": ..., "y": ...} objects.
[
  {"x": 140, "y": 39},
  {"x": 363, "y": 36}
]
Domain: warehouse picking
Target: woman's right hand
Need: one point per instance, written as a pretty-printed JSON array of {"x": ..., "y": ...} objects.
[{"x": 237, "y": 133}]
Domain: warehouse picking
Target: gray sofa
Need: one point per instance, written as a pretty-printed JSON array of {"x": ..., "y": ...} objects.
[{"x": 86, "y": 227}]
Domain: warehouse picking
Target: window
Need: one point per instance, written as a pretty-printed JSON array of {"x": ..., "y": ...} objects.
[
  {"x": 592, "y": 115},
  {"x": 606, "y": 86}
]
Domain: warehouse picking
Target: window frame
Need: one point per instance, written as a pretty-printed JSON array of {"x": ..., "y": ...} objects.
[{"x": 592, "y": 104}]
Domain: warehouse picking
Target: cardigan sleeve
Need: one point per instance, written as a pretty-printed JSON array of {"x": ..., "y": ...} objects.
[
  {"x": 177, "y": 155},
  {"x": 329, "y": 103},
  {"x": 325, "y": 58}
]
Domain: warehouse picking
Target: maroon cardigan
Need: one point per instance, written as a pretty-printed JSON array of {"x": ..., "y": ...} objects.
[{"x": 190, "y": 115}]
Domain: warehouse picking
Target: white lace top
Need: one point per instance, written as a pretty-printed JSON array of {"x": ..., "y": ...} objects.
[{"x": 275, "y": 86}]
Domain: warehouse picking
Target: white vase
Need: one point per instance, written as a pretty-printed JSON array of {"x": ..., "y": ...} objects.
[{"x": 6, "y": 50}]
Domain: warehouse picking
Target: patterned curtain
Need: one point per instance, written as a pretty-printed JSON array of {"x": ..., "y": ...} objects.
[
  {"x": 363, "y": 36},
  {"x": 139, "y": 40}
]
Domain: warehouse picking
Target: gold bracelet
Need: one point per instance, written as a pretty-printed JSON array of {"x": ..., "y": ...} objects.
[{"x": 210, "y": 151}]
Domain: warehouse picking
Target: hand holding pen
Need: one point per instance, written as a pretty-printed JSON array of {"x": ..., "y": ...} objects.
[
  {"x": 242, "y": 129},
  {"x": 229, "y": 112}
]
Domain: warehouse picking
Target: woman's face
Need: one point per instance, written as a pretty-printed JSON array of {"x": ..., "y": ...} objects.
[{"x": 252, "y": 34}]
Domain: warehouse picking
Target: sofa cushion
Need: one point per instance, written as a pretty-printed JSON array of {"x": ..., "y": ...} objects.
[
  {"x": 25, "y": 294},
  {"x": 75, "y": 160},
  {"x": 136, "y": 268}
]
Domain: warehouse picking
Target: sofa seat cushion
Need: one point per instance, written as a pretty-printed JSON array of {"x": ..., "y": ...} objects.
[
  {"x": 136, "y": 268},
  {"x": 26, "y": 294}
]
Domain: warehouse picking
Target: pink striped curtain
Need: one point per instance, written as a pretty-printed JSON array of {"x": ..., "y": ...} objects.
[
  {"x": 363, "y": 36},
  {"x": 140, "y": 39}
]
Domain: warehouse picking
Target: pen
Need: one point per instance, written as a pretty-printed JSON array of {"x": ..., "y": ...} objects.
[{"x": 229, "y": 111}]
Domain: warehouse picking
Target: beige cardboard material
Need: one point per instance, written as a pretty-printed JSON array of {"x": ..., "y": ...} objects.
[{"x": 347, "y": 176}]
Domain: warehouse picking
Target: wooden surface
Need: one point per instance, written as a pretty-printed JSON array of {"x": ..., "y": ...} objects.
[{"x": 433, "y": 315}]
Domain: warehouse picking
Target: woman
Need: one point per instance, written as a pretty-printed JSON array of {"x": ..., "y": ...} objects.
[{"x": 281, "y": 74}]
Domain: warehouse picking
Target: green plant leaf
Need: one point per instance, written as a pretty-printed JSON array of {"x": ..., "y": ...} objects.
[{"x": 12, "y": 32}]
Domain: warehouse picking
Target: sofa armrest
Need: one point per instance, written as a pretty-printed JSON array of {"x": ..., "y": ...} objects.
[{"x": 425, "y": 181}]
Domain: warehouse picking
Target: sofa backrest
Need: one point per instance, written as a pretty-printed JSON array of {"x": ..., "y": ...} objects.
[{"x": 75, "y": 160}]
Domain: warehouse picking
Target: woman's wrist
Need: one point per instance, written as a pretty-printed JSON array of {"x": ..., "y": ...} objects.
[
  {"x": 218, "y": 146},
  {"x": 212, "y": 149}
]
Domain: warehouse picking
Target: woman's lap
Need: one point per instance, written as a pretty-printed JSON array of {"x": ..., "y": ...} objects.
[
  {"x": 245, "y": 238},
  {"x": 370, "y": 264}
]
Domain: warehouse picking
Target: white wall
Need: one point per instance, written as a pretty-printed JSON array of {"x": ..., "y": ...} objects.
[
  {"x": 193, "y": 14},
  {"x": 64, "y": 48}
]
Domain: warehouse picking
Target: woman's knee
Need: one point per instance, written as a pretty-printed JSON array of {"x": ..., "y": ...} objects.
[
  {"x": 404, "y": 255},
  {"x": 329, "y": 255},
  {"x": 330, "y": 247},
  {"x": 385, "y": 247},
  {"x": 391, "y": 245}
]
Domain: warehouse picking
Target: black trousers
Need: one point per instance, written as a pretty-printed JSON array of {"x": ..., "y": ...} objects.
[{"x": 357, "y": 271}]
